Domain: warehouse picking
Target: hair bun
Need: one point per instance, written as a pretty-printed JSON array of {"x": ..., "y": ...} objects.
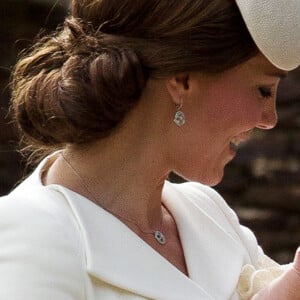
[
  {"x": 104, "y": 84},
  {"x": 84, "y": 95},
  {"x": 119, "y": 72}
]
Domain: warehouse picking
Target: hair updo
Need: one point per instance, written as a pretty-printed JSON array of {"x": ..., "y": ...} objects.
[
  {"x": 71, "y": 87},
  {"x": 77, "y": 85}
]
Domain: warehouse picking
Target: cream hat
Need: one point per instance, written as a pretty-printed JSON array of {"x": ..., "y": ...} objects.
[{"x": 275, "y": 28}]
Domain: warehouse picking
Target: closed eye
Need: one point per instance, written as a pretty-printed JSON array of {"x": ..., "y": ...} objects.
[{"x": 265, "y": 92}]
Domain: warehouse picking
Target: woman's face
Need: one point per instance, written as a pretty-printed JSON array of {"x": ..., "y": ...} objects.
[{"x": 221, "y": 111}]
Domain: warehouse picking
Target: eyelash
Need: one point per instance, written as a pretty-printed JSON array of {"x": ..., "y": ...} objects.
[{"x": 265, "y": 92}]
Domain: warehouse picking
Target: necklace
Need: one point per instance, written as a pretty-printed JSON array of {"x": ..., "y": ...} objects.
[{"x": 158, "y": 235}]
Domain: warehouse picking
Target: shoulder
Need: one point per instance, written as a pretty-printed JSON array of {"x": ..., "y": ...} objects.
[
  {"x": 40, "y": 251},
  {"x": 39, "y": 206}
]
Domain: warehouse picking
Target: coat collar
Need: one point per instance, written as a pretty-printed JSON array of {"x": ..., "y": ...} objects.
[{"x": 119, "y": 257}]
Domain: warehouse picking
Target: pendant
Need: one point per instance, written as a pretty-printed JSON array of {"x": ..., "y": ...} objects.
[{"x": 159, "y": 237}]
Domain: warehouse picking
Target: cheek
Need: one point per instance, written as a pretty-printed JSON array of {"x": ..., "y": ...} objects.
[
  {"x": 237, "y": 109},
  {"x": 247, "y": 112},
  {"x": 223, "y": 110}
]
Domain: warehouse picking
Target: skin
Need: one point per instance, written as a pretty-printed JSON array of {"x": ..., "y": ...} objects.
[
  {"x": 286, "y": 286},
  {"x": 218, "y": 109},
  {"x": 125, "y": 172}
]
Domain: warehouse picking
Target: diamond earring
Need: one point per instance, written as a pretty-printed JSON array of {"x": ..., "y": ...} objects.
[{"x": 179, "y": 118}]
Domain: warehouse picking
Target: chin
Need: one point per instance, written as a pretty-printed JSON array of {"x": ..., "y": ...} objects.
[
  {"x": 213, "y": 182},
  {"x": 216, "y": 178},
  {"x": 207, "y": 179}
]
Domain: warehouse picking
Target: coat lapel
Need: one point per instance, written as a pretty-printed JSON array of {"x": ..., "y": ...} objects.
[
  {"x": 116, "y": 255},
  {"x": 213, "y": 252}
]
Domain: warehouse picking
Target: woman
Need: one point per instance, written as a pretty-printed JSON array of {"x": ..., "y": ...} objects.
[{"x": 126, "y": 92}]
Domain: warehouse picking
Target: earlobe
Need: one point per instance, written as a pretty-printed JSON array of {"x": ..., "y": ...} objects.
[{"x": 178, "y": 86}]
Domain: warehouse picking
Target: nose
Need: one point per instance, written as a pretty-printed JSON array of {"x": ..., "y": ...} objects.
[{"x": 268, "y": 119}]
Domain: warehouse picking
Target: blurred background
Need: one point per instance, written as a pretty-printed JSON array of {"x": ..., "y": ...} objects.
[{"x": 262, "y": 184}]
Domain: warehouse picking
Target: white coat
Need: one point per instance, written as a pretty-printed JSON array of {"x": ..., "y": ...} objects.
[{"x": 57, "y": 245}]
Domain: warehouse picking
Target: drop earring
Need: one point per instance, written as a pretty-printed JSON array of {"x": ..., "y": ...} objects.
[{"x": 179, "y": 117}]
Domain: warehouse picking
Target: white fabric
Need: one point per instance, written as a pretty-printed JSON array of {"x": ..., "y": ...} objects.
[
  {"x": 252, "y": 279},
  {"x": 275, "y": 28},
  {"x": 57, "y": 245}
]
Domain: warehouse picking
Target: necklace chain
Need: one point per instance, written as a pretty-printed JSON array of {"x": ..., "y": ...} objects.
[{"x": 158, "y": 235}]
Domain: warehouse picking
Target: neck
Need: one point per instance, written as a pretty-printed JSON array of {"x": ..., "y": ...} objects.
[
  {"x": 119, "y": 187},
  {"x": 126, "y": 180},
  {"x": 125, "y": 172}
]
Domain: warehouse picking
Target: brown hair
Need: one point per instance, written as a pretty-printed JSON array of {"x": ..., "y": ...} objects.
[{"x": 78, "y": 84}]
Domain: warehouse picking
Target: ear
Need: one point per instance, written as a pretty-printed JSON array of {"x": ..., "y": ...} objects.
[{"x": 178, "y": 86}]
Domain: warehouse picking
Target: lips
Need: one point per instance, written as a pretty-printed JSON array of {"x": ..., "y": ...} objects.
[
  {"x": 234, "y": 143},
  {"x": 238, "y": 140}
]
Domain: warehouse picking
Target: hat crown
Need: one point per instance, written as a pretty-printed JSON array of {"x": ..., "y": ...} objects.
[{"x": 275, "y": 28}]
